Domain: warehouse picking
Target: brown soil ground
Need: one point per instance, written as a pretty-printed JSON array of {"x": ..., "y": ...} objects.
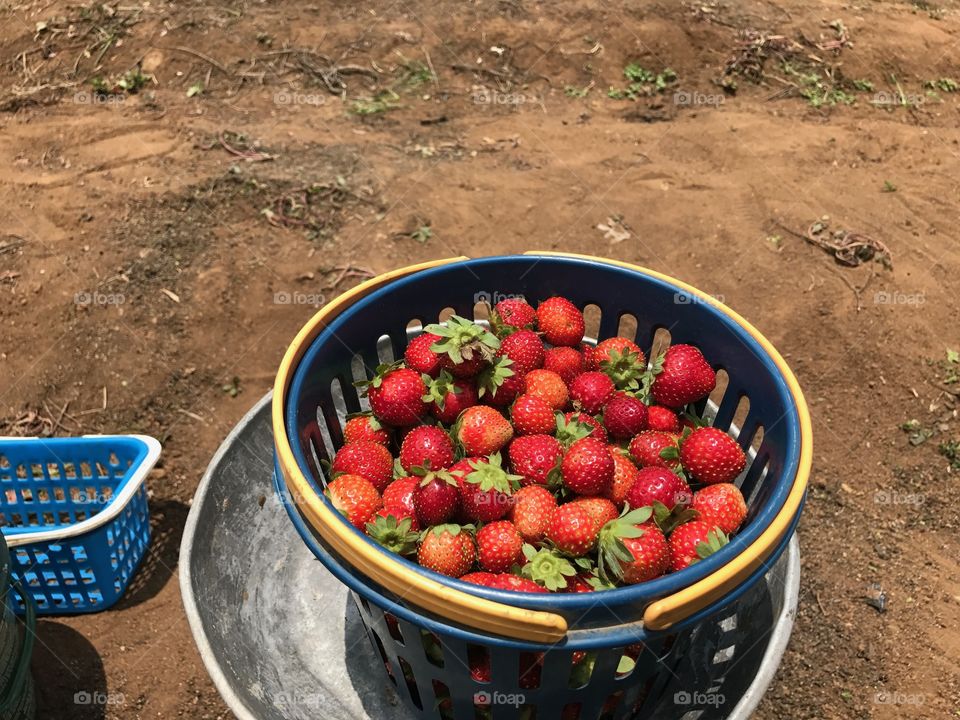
[{"x": 490, "y": 123}]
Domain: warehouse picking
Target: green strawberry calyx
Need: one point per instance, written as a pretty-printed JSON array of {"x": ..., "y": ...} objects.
[
  {"x": 490, "y": 475},
  {"x": 395, "y": 535},
  {"x": 438, "y": 388},
  {"x": 381, "y": 371},
  {"x": 613, "y": 551},
  {"x": 427, "y": 475},
  {"x": 667, "y": 520},
  {"x": 624, "y": 368},
  {"x": 461, "y": 338},
  {"x": 371, "y": 420},
  {"x": 492, "y": 377},
  {"x": 449, "y": 528},
  {"x": 569, "y": 431},
  {"x": 647, "y": 378},
  {"x": 716, "y": 539},
  {"x": 547, "y": 568}
]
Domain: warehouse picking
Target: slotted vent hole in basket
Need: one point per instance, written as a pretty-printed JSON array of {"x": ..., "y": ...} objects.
[
  {"x": 432, "y": 648},
  {"x": 415, "y": 326},
  {"x": 580, "y": 672},
  {"x": 481, "y": 312},
  {"x": 628, "y": 662},
  {"x": 359, "y": 372},
  {"x": 724, "y": 654},
  {"x": 628, "y": 326},
  {"x": 385, "y": 349},
  {"x": 571, "y": 711},
  {"x": 661, "y": 341},
  {"x": 393, "y": 627},
  {"x": 531, "y": 670},
  {"x": 4, "y": 462},
  {"x": 411, "y": 683},
  {"x": 591, "y": 321},
  {"x": 716, "y": 397},
  {"x": 446, "y": 314},
  {"x": 21, "y": 472},
  {"x": 479, "y": 658},
  {"x": 53, "y": 470},
  {"x": 70, "y": 471},
  {"x": 611, "y": 704},
  {"x": 26, "y": 495}
]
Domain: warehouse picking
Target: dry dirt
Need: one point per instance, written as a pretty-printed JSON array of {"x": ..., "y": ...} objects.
[{"x": 135, "y": 255}]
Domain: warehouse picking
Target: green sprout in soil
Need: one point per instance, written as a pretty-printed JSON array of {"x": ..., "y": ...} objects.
[
  {"x": 414, "y": 73},
  {"x": 817, "y": 91},
  {"x": 888, "y": 187},
  {"x": 945, "y": 84},
  {"x": 951, "y": 451},
  {"x": 643, "y": 82},
  {"x": 382, "y": 102},
  {"x": 576, "y": 92}
]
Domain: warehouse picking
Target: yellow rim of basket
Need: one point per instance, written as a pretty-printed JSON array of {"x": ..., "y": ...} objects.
[{"x": 486, "y": 615}]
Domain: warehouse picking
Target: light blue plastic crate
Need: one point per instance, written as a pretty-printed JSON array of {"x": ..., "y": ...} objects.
[{"x": 74, "y": 514}]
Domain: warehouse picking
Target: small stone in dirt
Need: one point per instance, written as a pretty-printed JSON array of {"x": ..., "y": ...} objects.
[{"x": 876, "y": 598}]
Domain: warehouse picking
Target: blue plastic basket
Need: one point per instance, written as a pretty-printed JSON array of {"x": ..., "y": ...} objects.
[
  {"x": 373, "y": 328},
  {"x": 74, "y": 514}
]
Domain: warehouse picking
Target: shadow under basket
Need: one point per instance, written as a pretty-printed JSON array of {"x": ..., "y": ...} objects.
[
  {"x": 75, "y": 516},
  {"x": 458, "y": 651}
]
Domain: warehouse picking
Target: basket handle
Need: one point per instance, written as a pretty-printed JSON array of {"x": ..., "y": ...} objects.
[
  {"x": 456, "y": 605},
  {"x": 14, "y": 689},
  {"x": 670, "y": 610}
]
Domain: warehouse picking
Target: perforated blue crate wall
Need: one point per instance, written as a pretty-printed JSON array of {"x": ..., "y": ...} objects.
[{"x": 54, "y": 484}]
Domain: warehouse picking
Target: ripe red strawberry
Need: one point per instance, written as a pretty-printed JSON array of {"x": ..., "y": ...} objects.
[
  {"x": 684, "y": 377},
  {"x": 548, "y": 385},
  {"x": 610, "y": 349},
  {"x": 437, "y": 498},
  {"x": 578, "y": 425},
  {"x": 485, "y": 579},
  {"x": 624, "y": 416},
  {"x": 567, "y": 362},
  {"x": 447, "y": 549},
  {"x": 711, "y": 456},
  {"x": 498, "y": 384},
  {"x": 513, "y": 312},
  {"x": 367, "y": 459},
  {"x": 500, "y": 581},
  {"x": 508, "y": 581},
  {"x": 579, "y": 584},
  {"x": 721, "y": 505},
  {"x": 481, "y": 430},
  {"x": 657, "y": 484},
  {"x": 572, "y": 530},
  {"x": 418, "y": 355},
  {"x": 531, "y": 510},
  {"x": 590, "y": 360},
  {"x": 532, "y": 415},
  {"x": 560, "y": 321},
  {"x": 692, "y": 542},
  {"x": 601, "y": 509},
  {"x": 622, "y": 361},
  {"x": 633, "y": 549},
  {"x": 396, "y": 395},
  {"x": 427, "y": 447},
  {"x": 355, "y": 497},
  {"x": 499, "y": 546},
  {"x": 396, "y": 533},
  {"x": 399, "y": 495},
  {"x": 587, "y": 467},
  {"x": 486, "y": 489},
  {"x": 591, "y": 390},
  {"x": 533, "y": 457},
  {"x": 647, "y": 446},
  {"x": 365, "y": 427},
  {"x": 464, "y": 347},
  {"x": 624, "y": 475},
  {"x": 449, "y": 397},
  {"x": 525, "y": 348},
  {"x": 663, "y": 419}
]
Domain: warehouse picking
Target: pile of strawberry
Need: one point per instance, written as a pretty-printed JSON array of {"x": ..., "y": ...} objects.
[{"x": 529, "y": 460}]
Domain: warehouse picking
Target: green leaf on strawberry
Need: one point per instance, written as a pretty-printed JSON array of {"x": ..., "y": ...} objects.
[
  {"x": 547, "y": 568},
  {"x": 716, "y": 539},
  {"x": 612, "y": 550},
  {"x": 624, "y": 368},
  {"x": 646, "y": 379},
  {"x": 569, "y": 431},
  {"x": 381, "y": 371},
  {"x": 492, "y": 377},
  {"x": 438, "y": 388},
  {"x": 461, "y": 338},
  {"x": 668, "y": 519},
  {"x": 490, "y": 475},
  {"x": 396, "y": 536}
]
